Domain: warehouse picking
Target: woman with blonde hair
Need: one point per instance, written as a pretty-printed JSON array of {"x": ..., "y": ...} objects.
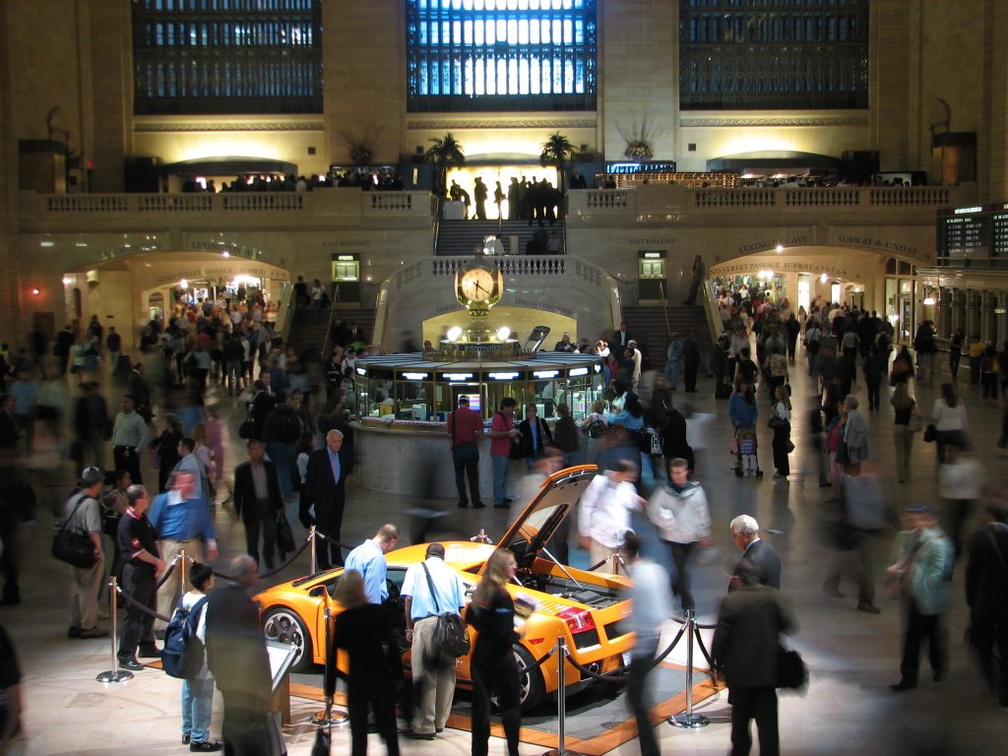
[
  {"x": 904, "y": 407},
  {"x": 494, "y": 669},
  {"x": 365, "y": 632}
]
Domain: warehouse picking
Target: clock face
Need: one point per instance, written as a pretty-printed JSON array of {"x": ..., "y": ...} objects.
[{"x": 477, "y": 285}]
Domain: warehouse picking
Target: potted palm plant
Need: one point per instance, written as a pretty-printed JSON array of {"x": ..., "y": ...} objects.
[
  {"x": 557, "y": 151},
  {"x": 445, "y": 152}
]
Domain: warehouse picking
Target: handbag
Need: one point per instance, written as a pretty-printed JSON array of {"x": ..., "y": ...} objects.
[
  {"x": 775, "y": 422},
  {"x": 733, "y": 445},
  {"x": 451, "y": 635},
  {"x": 930, "y": 433},
  {"x": 284, "y": 536},
  {"x": 247, "y": 429},
  {"x": 915, "y": 423},
  {"x": 323, "y": 741},
  {"x": 74, "y": 548},
  {"x": 791, "y": 670}
]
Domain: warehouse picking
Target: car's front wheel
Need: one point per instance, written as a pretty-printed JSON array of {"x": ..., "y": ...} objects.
[{"x": 285, "y": 626}]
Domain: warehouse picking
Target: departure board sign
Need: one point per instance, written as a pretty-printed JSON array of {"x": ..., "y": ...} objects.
[{"x": 972, "y": 233}]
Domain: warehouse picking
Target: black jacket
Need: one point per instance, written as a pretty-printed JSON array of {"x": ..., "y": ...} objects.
[
  {"x": 748, "y": 634},
  {"x": 767, "y": 562},
  {"x": 244, "y": 488}
]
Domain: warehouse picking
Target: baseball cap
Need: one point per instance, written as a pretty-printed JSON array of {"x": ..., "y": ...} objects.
[{"x": 92, "y": 475}]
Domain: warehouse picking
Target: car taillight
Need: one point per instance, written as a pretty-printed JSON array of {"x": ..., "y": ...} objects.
[{"x": 578, "y": 620}]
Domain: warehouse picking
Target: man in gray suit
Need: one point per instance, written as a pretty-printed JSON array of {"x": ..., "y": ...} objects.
[{"x": 745, "y": 534}]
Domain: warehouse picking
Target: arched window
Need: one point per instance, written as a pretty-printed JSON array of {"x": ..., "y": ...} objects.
[
  {"x": 481, "y": 55},
  {"x": 227, "y": 56},
  {"x": 773, "y": 55}
]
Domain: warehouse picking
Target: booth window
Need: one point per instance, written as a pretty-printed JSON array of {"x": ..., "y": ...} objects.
[
  {"x": 770, "y": 55},
  {"x": 500, "y": 55},
  {"x": 227, "y": 56}
]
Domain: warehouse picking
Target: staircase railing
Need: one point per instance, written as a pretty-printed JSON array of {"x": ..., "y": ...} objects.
[
  {"x": 285, "y": 311},
  {"x": 664, "y": 301},
  {"x": 711, "y": 309},
  {"x": 328, "y": 330}
]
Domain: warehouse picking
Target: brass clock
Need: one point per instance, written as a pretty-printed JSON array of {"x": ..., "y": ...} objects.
[{"x": 478, "y": 287}]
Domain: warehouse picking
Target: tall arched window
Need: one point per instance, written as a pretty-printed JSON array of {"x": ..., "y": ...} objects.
[
  {"x": 227, "y": 56},
  {"x": 481, "y": 55},
  {"x": 773, "y": 55}
]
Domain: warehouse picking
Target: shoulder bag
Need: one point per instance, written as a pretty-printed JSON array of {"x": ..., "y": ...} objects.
[
  {"x": 930, "y": 433},
  {"x": 791, "y": 670},
  {"x": 74, "y": 548},
  {"x": 451, "y": 636}
]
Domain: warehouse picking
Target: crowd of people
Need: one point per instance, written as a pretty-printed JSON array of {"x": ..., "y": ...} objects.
[{"x": 299, "y": 446}]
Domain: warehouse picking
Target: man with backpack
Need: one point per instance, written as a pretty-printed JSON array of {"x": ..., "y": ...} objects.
[{"x": 142, "y": 563}]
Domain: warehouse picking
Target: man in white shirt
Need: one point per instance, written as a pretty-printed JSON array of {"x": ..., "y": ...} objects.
[
  {"x": 433, "y": 675},
  {"x": 604, "y": 514}
]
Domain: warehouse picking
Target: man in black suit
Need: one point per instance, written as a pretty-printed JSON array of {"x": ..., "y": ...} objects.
[
  {"x": 745, "y": 534},
  {"x": 237, "y": 658},
  {"x": 140, "y": 392},
  {"x": 691, "y": 362},
  {"x": 745, "y": 651},
  {"x": 257, "y": 500},
  {"x": 987, "y": 596},
  {"x": 326, "y": 481},
  {"x": 260, "y": 406},
  {"x": 621, "y": 339}
]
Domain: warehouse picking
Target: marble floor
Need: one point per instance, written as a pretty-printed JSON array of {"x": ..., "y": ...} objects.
[{"x": 852, "y": 656}]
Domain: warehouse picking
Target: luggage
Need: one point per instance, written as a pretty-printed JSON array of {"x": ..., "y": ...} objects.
[{"x": 723, "y": 391}]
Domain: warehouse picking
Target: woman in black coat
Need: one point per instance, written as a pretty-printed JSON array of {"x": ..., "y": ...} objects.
[{"x": 493, "y": 665}]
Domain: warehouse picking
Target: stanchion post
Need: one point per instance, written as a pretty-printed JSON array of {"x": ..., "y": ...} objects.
[
  {"x": 327, "y": 716},
  {"x": 114, "y": 674},
  {"x": 561, "y": 749},
  {"x": 313, "y": 547},
  {"x": 689, "y": 720},
  {"x": 182, "y": 572},
  {"x": 614, "y": 559}
]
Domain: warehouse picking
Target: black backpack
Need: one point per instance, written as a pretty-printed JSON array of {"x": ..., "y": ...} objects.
[
  {"x": 183, "y": 653},
  {"x": 289, "y": 426}
]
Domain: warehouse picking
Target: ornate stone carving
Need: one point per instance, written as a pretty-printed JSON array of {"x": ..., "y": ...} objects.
[
  {"x": 164, "y": 126},
  {"x": 773, "y": 120},
  {"x": 508, "y": 122}
]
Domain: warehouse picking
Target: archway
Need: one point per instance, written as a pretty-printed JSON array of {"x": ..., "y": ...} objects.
[{"x": 130, "y": 291}]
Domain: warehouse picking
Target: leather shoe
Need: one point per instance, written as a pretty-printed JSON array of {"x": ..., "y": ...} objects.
[
  {"x": 93, "y": 632},
  {"x": 479, "y": 505},
  {"x": 866, "y": 606},
  {"x": 149, "y": 652},
  {"x": 73, "y": 632},
  {"x": 206, "y": 746},
  {"x": 901, "y": 686},
  {"x": 413, "y": 735},
  {"x": 131, "y": 664},
  {"x": 463, "y": 504}
]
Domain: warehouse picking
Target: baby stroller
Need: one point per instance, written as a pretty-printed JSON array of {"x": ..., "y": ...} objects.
[{"x": 744, "y": 447}]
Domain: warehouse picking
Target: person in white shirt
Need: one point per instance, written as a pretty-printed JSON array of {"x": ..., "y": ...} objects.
[
  {"x": 961, "y": 479},
  {"x": 197, "y": 693},
  {"x": 652, "y": 605},
  {"x": 948, "y": 413},
  {"x": 433, "y": 676},
  {"x": 604, "y": 513}
]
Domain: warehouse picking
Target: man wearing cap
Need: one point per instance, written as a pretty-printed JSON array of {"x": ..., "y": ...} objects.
[
  {"x": 84, "y": 516},
  {"x": 924, "y": 566},
  {"x": 183, "y": 520},
  {"x": 465, "y": 426},
  {"x": 142, "y": 564}
]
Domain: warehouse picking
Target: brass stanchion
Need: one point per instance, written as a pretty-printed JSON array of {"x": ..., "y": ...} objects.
[
  {"x": 314, "y": 549},
  {"x": 328, "y": 716},
  {"x": 689, "y": 720},
  {"x": 115, "y": 674},
  {"x": 561, "y": 749},
  {"x": 182, "y": 572}
]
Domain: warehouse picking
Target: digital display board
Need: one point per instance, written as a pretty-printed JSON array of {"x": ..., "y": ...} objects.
[{"x": 973, "y": 233}]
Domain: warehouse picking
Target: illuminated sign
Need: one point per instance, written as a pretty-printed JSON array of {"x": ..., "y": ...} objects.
[{"x": 414, "y": 376}]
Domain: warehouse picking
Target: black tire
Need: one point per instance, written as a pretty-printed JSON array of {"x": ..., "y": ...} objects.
[
  {"x": 531, "y": 687},
  {"x": 285, "y": 626}
]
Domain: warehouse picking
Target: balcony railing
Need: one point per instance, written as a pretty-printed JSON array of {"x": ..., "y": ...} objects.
[{"x": 634, "y": 203}]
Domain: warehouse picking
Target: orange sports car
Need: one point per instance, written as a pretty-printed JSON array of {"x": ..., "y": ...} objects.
[{"x": 586, "y": 608}]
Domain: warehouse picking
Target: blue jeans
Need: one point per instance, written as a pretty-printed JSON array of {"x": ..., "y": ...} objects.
[
  {"x": 197, "y": 708},
  {"x": 672, "y": 373},
  {"x": 500, "y": 467}
]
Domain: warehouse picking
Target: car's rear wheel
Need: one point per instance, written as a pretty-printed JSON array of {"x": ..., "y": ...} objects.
[
  {"x": 531, "y": 687},
  {"x": 285, "y": 626}
]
